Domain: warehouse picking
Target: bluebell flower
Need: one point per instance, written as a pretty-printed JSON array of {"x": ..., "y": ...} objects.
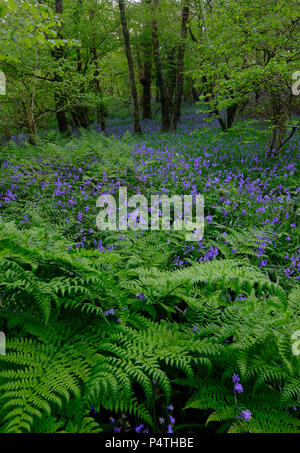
[
  {"x": 238, "y": 388},
  {"x": 139, "y": 428},
  {"x": 170, "y": 429},
  {"x": 246, "y": 415},
  {"x": 172, "y": 419},
  {"x": 235, "y": 378}
]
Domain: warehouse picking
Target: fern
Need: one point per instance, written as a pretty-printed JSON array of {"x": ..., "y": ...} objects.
[{"x": 66, "y": 351}]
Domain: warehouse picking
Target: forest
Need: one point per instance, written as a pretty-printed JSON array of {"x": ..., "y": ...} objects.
[{"x": 115, "y": 111}]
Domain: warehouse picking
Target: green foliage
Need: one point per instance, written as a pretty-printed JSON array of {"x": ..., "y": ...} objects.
[
  {"x": 249, "y": 68},
  {"x": 74, "y": 354},
  {"x": 122, "y": 325}
]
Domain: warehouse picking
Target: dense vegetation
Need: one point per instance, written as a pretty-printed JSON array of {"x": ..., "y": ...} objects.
[{"x": 142, "y": 331}]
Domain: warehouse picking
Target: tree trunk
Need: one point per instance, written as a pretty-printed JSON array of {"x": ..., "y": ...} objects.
[
  {"x": 59, "y": 99},
  {"x": 157, "y": 95},
  {"x": 137, "y": 127},
  {"x": 282, "y": 112},
  {"x": 146, "y": 73},
  {"x": 100, "y": 108},
  {"x": 80, "y": 117},
  {"x": 32, "y": 129},
  {"x": 146, "y": 82},
  {"x": 60, "y": 115},
  {"x": 79, "y": 112},
  {"x": 7, "y": 134},
  {"x": 230, "y": 115},
  {"x": 140, "y": 72},
  {"x": 164, "y": 98},
  {"x": 195, "y": 94},
  {"x": 180, "y": 67},
  {"x": 207, "y": 89}
]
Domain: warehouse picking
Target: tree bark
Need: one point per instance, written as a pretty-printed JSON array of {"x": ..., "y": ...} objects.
[
  {"x": 180, "y": 67},
  {"x": 135, "y": 105},
  {"x": 164, "y": 98},
  {"x": 100, "y": 110},
  {"x": 146, "y": 82},
  {"x": 282, "y": 112},
  {"x": 195, "y": 94},
  {"x": 230, "y": 115},
  {"x": 146, "y": 64},
  {"x": 59, "y": 99},
  {"x": 79, "y": 111}
]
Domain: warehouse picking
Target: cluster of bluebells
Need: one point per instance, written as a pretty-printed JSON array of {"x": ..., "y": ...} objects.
[
  {"x": 142, "y": 429},
  {"x": 112, "y": 312},
  {"x": 123, "y": 426},
  {"x": 245, "y": 414},
  {"x": 241, "y": 298},
  {"x": 237, "y": 385},
  {"x": 294, "y": 265},
  {"x": 178, "y": 164},
  {"x": 207, "y": 253},
  {"x": 238, "y": 181},
  {"x": 169, "y": 420},
  {"x": 93, "y": 410}
]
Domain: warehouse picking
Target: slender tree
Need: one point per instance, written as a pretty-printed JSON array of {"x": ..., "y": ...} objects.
[
  {"x": 160, "y": 80},
  {"x": 137, "y": 127},
  {"x": 59, "y": 98},
  {"x": 146, "y": 72},
  {"x": 176, "y": 112}
]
